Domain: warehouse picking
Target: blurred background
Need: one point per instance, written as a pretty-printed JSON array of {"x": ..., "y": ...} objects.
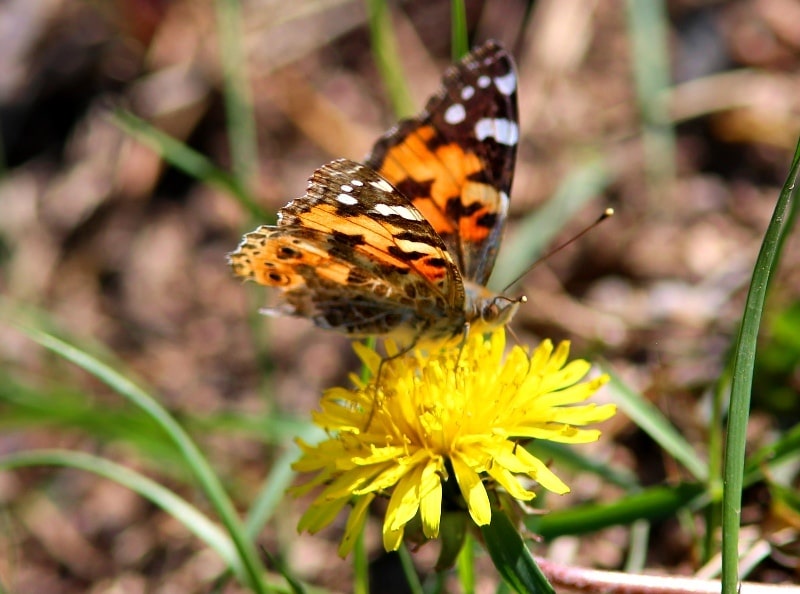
[{"x": 682, "y": 117}]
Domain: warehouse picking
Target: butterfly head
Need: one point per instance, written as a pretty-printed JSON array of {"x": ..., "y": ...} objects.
[{"x": 487, "y": 310}]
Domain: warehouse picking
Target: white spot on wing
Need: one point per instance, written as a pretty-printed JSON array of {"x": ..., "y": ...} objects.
[
  {"x": 413, "y": 246},
  {"x": 484, "y": 81},
  {"x": 357, "y": 182},
  {"x": 504, "y": 201},
  {"x": 382, "y": 185},
  {"x": 455, "y": 114},
  {"x": 502, "y": 130},
  {"x": 346, "y": 199},
  {"x": 467, "y": 92},
  {"x": 388, "y": 210},
  {"x": 346, "y": 188},
  {"x": 506, "y": 84}
]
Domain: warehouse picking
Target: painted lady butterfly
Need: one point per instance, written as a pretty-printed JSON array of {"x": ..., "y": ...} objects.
[{"x": 403, "y": 245}]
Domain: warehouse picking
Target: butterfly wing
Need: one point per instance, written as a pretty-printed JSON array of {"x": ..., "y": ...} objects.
[
  {"x": 455, "y": 161},
  {"x": 354, "y": 255}
]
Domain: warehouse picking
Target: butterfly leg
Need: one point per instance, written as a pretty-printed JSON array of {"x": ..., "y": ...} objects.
[
  {"x": 463, "y": 343},
  {"x": 402, "y": 352}
]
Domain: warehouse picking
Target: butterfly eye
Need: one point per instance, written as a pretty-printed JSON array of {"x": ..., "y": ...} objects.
[{"x": 491, "y": 311}]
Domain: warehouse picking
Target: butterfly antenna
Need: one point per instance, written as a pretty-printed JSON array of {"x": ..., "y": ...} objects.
[{"x": 607, "y": 213}]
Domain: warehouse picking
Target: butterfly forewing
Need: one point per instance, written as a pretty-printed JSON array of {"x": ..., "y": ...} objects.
[{"x": 353, "y": 254}]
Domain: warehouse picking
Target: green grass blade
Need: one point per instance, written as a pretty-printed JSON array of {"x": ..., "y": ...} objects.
[
  {"x": 241, "y": 123},
  {"x": 742, "y": 381},
  {"x": 459, "y": 44},
  {"x": 384, "y": 48},
  {"x": 466, "y": 565},
  {"x": 786, "y": 445},
  {"x": 657, "y": 426},
  {"x": 272, "y": 492},
  {"x": 512, "y": 558},
  {"x": 651, "y": 504},
  {"x": 407, "y": 563},
  {"x": 177, "y": 507},
  {"x": 295, "y": 586},
  {"x": 187, "y": 160},
  {"x": 22, "y": 407},
  {"x": 195, "y": 461},
  {"x": 648, "y": 31},
  {"x": 360, "y": 566},
  {"x": 563, "y": 455},
  {"x": 275, "y": 429}
]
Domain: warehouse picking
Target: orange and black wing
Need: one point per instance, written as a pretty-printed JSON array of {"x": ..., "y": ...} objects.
[
  {"x": 354, "y": 255},
  {"x": 455, "y": 161}
]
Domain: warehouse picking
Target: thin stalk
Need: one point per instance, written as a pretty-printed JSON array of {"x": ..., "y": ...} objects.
[{"x": 742, "y": 380}]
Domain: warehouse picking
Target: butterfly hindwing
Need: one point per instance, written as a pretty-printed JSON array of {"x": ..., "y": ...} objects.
[{"x": 455, "y": 161}]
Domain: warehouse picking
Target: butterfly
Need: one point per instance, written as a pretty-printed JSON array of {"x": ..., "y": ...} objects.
[{"x": 402, "y": 246}]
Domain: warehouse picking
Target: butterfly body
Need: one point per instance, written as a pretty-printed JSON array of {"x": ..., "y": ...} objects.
[{"x": 402, "y": 246}]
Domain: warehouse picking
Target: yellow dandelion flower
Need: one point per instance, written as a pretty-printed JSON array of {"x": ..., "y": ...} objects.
[{"x": 429, "y": 419}]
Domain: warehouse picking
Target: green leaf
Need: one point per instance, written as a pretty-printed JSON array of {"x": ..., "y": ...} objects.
[{"x": 512, "y": 558}]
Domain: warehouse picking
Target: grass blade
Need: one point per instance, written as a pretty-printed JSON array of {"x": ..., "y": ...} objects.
[
  {"x": 23, "y": 407},
  {"x": 459, "y": 44},
  {"x": 407, "y": 563},
  {"x": 742, "y": 381},
  {"x": 466, "y": 565},
  {"x": 360, "y": 566},
  {"x": 651, "y": 504},
  {"x": 177, "y": 507},
  {"x": 566, "y": 457},
  {"x": 185, "y": 159},
  {"x": 275, "y": 485},
  {"x": 195, "y": 461},
  {"x": 648, "y": 31},
  {"x": 384, "y": 48},
  {"x": 241, "y": 124},
  {"x": 656, "y": 425}
]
